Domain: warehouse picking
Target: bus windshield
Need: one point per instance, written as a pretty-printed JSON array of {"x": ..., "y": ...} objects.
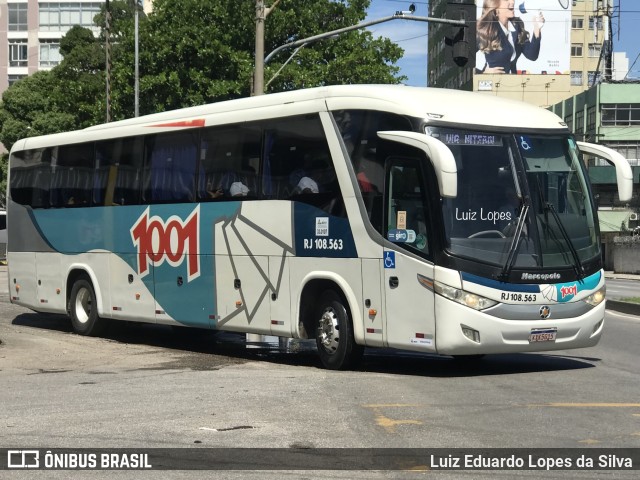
[{"x": 523, "y": 200}]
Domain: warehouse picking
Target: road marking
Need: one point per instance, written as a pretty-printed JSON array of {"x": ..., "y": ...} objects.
[
  {"x": 587, "y": 405},
  {"x": 389, "y": 424},
  {"x": 617, "y": 314},
  {"x": 589, "y": 441}
]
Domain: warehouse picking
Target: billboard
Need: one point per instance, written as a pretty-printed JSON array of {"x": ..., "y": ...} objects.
[{"x": 526, "y": 37}]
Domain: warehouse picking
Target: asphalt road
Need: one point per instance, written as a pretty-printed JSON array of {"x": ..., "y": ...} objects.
[
  {"x": 617, "y": 289},
  {"x": 143, "y": 386}
]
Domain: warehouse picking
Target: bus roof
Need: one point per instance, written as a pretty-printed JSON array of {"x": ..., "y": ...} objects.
[{"x": 443, "y": 105}]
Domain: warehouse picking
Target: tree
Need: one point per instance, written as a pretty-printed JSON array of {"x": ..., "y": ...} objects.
[
  {"x": 80, "y": 77},
  {"x": 200, "y": 51},
  {"x": 192, "y": 52},
  {"x": 68, "y": 97},
  {"x": 23, "y": 103},
  {"x": 354, "y": 57}
]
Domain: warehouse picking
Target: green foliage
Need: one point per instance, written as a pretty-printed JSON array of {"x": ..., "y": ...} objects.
[
  {"x": 4, "y": 164},
  {"x": 192, "y": 52},
  {"x": 201, "y": 51}
]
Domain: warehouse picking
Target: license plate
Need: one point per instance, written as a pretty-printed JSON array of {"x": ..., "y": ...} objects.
[{"x": 543, "y": 335}]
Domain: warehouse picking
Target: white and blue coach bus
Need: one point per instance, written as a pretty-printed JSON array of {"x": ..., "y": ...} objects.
[{"x": 362, "y": 216}]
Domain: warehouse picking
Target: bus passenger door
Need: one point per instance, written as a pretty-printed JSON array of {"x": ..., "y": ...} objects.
[
  {"x": 410, "y": 302},
  {"x": 408, "y": 269}
]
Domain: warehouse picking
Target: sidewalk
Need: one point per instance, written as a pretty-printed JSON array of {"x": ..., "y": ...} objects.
[{"x": 622, "y": 276}]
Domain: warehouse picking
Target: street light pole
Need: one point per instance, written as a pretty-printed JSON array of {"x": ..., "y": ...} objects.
[
  {"x": 107, "y": 48},
  {"x": 315, "y": 38},
  {"x": 136, "y": 82},
  {"x": 262, "y": 13}
]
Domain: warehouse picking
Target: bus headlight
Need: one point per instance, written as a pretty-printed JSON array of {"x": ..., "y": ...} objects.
[
  {"x": 463, "y": 297},
  {"x": 597, "y": 297}
]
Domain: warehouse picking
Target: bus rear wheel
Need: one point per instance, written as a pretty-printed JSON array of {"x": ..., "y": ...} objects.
[
  {"x": 334, "y": 334},
  {"x": 83, "y": 309}
]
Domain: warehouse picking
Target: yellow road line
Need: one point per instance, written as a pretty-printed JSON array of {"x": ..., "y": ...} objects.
[{"x": 588, "y": 405}]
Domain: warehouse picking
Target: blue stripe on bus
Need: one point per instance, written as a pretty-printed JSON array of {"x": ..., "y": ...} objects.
[{"x": 564, "y": 292}]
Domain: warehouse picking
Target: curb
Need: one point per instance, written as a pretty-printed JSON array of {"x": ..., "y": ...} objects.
[{"x": 623, "y": 307}]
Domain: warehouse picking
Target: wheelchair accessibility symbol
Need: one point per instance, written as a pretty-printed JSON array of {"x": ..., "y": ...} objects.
[
  {"x": 389, "y": 259},
  {"x": 524, "y": 143}
]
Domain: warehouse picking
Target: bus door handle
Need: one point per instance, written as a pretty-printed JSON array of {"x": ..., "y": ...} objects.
[{"x": 394, "y": 282}]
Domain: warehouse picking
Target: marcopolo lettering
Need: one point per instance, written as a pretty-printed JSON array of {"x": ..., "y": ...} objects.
[
  {"x": 540, "y": 276},
  {"x": 172, "y": 240}
]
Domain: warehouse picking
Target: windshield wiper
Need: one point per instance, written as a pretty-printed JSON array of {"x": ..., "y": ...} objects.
[
  {"x": 513, "y": 249},
  {"x": 574, "y": 253}
]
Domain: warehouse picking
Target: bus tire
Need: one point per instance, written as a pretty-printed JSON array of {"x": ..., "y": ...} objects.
[
  {"x": 334, "y": 334},
  {"x": 83, "y": 309}
]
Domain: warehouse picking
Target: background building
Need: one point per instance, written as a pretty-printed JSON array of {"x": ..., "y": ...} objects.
[
  {"x": 30, "y": 33},
  {"x": 575, "y": 51},
  {"x": 609, "y": 114}
]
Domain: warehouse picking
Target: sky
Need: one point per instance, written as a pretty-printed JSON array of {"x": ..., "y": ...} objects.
[{"x": 412, "y": 36}]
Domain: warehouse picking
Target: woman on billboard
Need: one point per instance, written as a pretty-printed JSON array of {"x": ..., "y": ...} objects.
[{"x": 502, "y": 37}]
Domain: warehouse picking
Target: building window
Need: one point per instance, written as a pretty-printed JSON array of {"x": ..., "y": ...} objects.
[
  {"x": 594, "y": 77},
  {"x": 569, "y": 121},
  {"x": 620, "y": 114},
  {"x": 576, "y": 49},
  {"x": 591, "y": 119},
  {"x": 49, "y": 53},
  {"x": 18, "y": 17},
  {"x": 14, "y": 78},
  {"x": 579, "y": 123},
  {"x": 594, "y": 49},
  {"x": 576, "y": 77},
  {"x": 592, "y": 21},
  {"x": 18, "y": 53},
  {"x": 577, "y": 23},
  {"x": 56, "y": 16}
]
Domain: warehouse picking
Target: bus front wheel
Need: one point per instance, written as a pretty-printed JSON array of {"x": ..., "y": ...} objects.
[
  {"x": 334, "y": 334},
  {"x": 83, "y": 309}
]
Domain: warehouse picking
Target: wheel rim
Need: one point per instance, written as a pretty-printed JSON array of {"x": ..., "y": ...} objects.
[
  {"x": 83, "y": 305},
  {"x": 328, "y": 331}
]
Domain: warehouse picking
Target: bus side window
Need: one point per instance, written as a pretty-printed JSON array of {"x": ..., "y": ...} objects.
[
  {"x": 118, "y": 171},
  {"x": 170, "y": 167},
  {"x": 229, "y": 156},
  {"x": 299, "y": 164},
  {"x": 359, "y": 131},
  {"x": 72, "y": 176},
  {"x": 30, "y": 177},
  {"x": 406, "y": 203}
]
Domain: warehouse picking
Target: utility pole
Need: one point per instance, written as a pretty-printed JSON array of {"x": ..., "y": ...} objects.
[
  {"x": 262, "y": 13},
  {"x": 136, "y": 105},
  {"x": 107, "y": 48}
]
